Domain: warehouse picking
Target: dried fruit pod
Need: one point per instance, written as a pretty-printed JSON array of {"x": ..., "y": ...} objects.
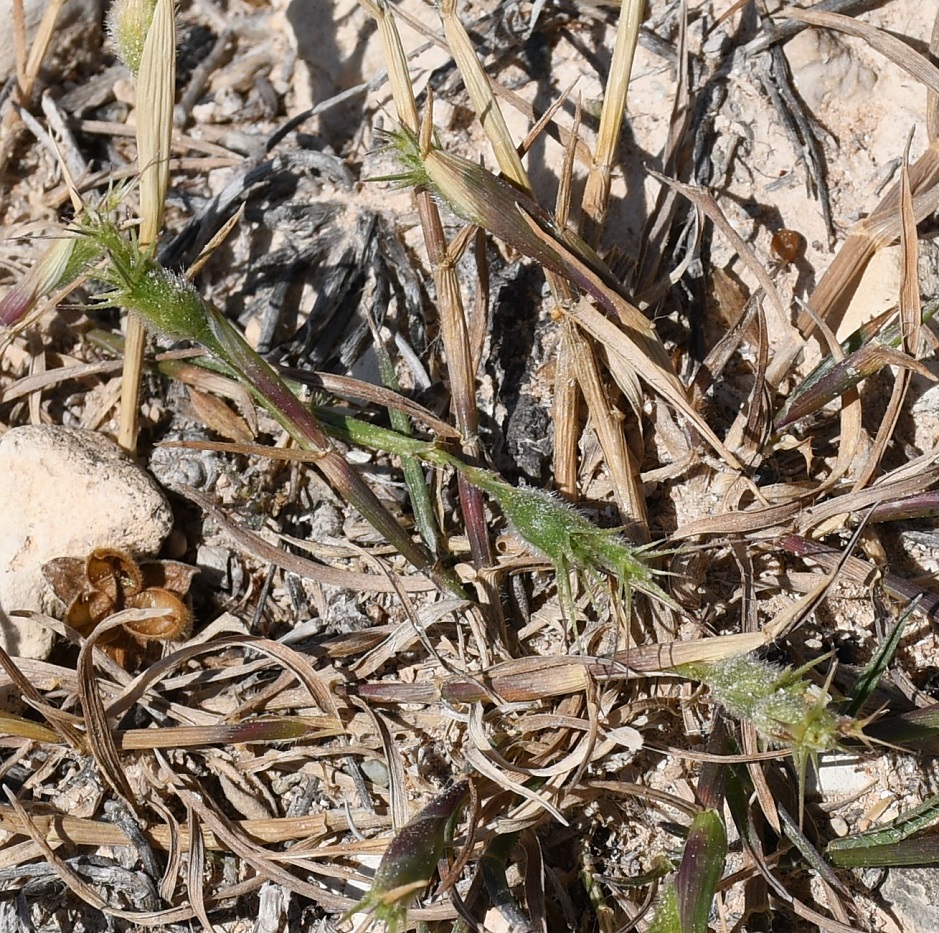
[
  {"x": 87, "y": 610},
  {"x": 113, "y": 572},
  {"x": 176, "y": 623},
  {"x": 172, "y": 575},
  {"x": 66, "y": 576}
]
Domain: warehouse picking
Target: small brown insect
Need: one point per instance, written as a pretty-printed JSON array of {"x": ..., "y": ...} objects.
[{"x": 787, "y": 246}]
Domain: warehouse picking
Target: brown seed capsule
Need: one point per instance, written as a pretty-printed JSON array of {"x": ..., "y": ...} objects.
[
  {"x": 174, "y": 625},
  {"x": 113, "y": 572},
  {"x": 66, "y": 576},
  {"x": 87, "y": 609},
  {"x": 110, "y": 580},
  {"x": 787, "y": 245}
]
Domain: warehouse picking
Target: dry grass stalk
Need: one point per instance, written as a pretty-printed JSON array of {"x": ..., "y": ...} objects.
[
  {"x": 196, "y": 869},
  {"x": 575, "y": 355},
  {"x": 97, "y": 728},
  {"x": 573, "y": 348},
  {"x": 597, "y": 191},
  {"x": 483, "y": 100},
  {"x": 609, "y": 425},
  {"x": 650, "y": 285},
  {"x": 40, "y": 48},
  {"x": 156, "y": 94},
  {"x": 60, "y": 829},
  {"x": 566, "y": 405},
  {"x": 566, "y": 413},
  {"x": 631, "y": 357},
  {"x": 911, "y": 316},
  {"x": 932, "y": 97}
]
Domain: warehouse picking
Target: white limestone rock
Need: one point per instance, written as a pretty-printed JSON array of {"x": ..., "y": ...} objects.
[{"x": 63, "y": 493}]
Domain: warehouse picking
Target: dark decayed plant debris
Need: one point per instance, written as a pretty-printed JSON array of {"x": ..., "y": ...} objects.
[{"x": 543, "y": 545}]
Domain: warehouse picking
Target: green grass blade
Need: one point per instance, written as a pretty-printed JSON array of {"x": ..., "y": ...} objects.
[
  {"x": 875, "y": 668},
  {"x": 892, "y": 844},
  {"x": 702, "y": 865}
]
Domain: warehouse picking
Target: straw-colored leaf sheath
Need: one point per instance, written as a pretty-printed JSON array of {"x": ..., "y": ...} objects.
[
  {"x": 156, "y": 88},
  {"x": 154, "y": 35}
]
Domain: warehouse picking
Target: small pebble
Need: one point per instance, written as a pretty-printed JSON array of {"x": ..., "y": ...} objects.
[{"x": 839, "y": 826}]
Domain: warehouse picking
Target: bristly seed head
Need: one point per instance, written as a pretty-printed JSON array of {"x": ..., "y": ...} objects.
[
  {"x": 128, "y": 25},
  {"x": 167, "y": 301},
  {"x": 556, "y": 530},
  {"x": 406, "y": 149},
  {"x": 478, "y": 196},
  {"x": 786, "y": 709}
]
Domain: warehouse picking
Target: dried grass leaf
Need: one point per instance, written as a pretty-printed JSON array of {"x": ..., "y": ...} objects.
[
  {"x": 40, "y": 46},
  {"x": 564, "y": 409},
  {"x": 36, "y": 382},
  {"x": 396, "y": 62},
  {"x": 764, "y": 796},
  {"x": 898, "y": 51},
  {"x": 840, "y": 280},
  {"x": 743, "y": 522},
  {"x": 257, "y": 857},
  {"x": 196, "y": 870},
  {"x": 218, "y": 417},
  {"x": 83, "y": 890},
  {"x": 397, "y": 787},
  {"x": 57, "y": 829},
  {"x": 101, "y": 740},
  {"x": 911, "y": 316},
  {"x": 932, "y": 97},
  {"x": 910, "y": 480},
  {"x": 617, "y": 458},
  {"x": 645, "y": 359},
  {"x": 256, "y": 545}
]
